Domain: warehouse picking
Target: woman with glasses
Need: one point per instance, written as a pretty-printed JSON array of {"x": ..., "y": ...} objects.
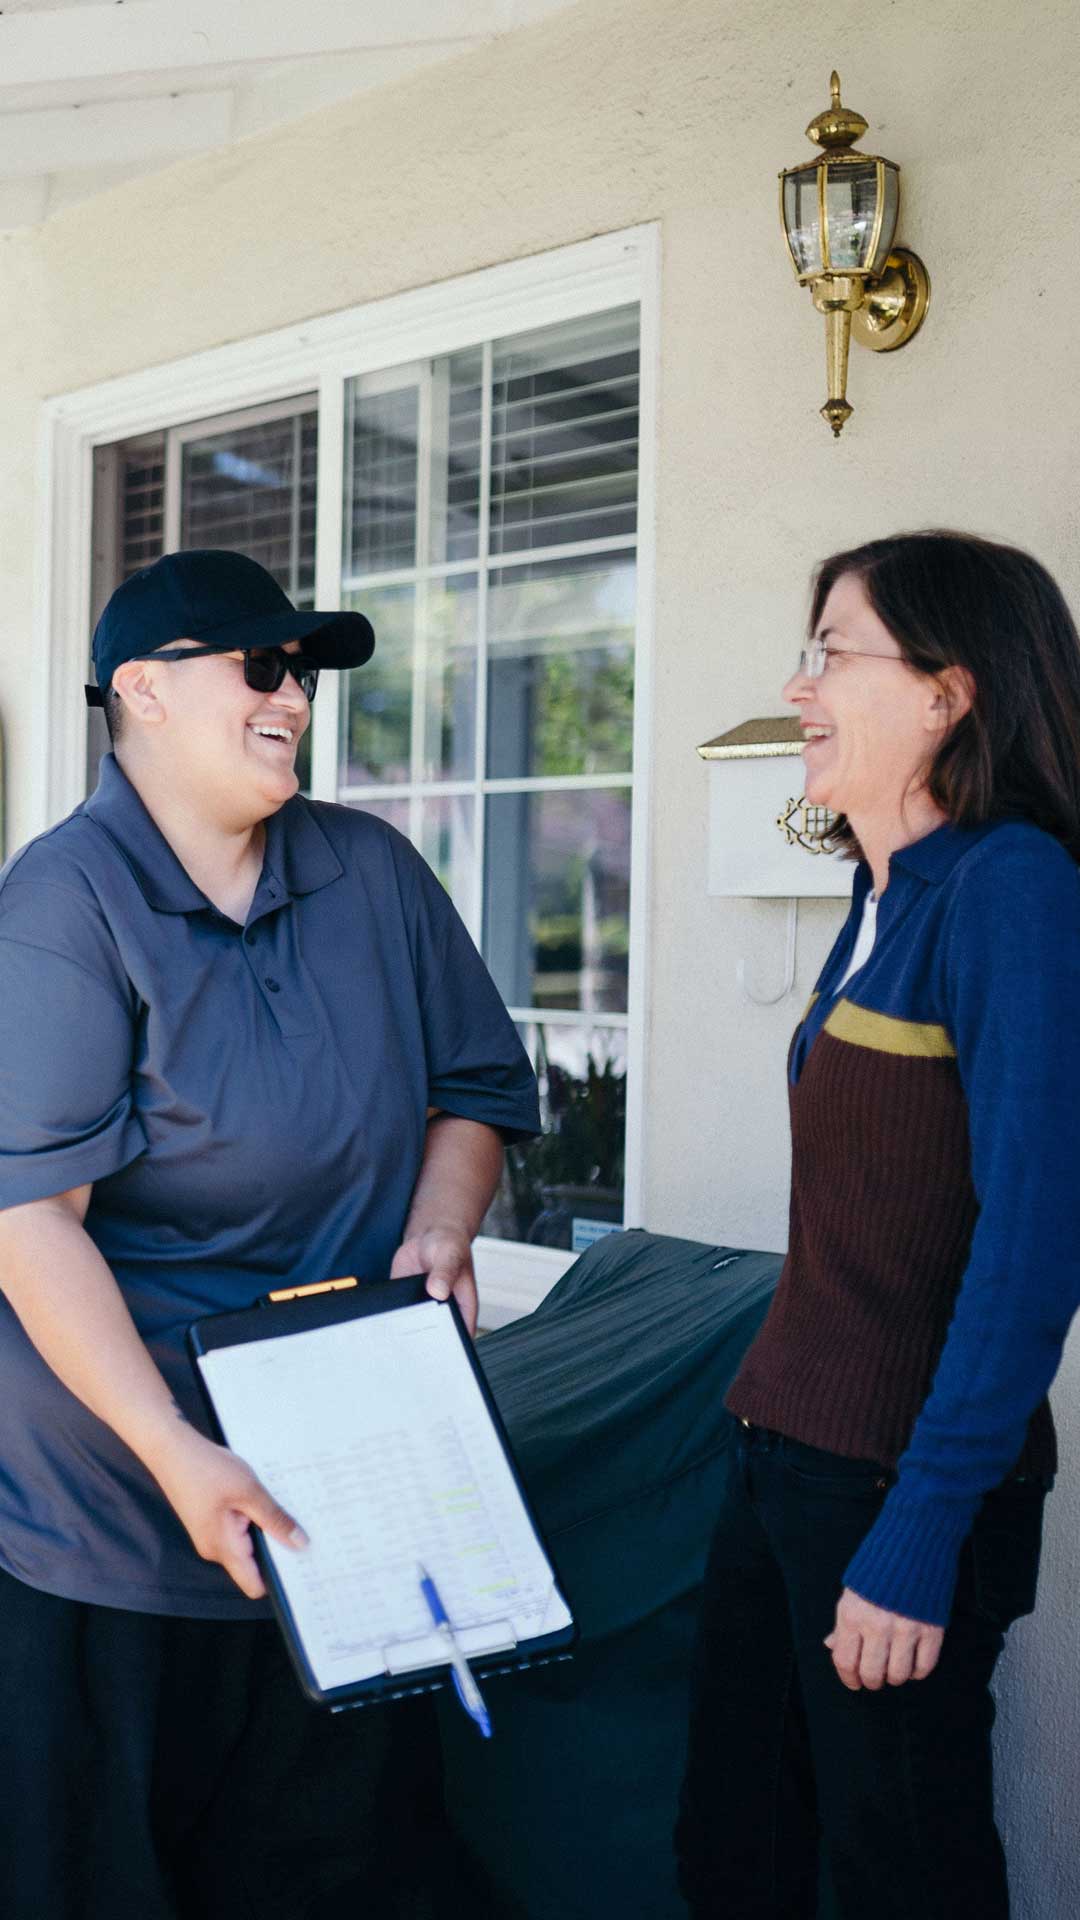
[
  {"x": 891, "y": 1442},
  {"x": 247, "y": 1042}
]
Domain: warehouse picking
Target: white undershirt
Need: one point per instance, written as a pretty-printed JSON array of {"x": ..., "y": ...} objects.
[{"x": 864, "y": 944}]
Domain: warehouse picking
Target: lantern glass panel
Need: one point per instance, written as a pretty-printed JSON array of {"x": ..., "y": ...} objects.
[
  {"x": 850, "y": 205},
  {"x": 888, "y": 218},
  {"x": 801, "y": 219}
]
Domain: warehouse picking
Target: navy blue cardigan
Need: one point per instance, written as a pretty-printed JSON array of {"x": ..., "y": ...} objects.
[{"x": 976, "y": 966}]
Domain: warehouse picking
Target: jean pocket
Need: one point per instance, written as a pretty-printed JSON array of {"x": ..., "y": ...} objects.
[
  {"x": 833, "y": 1473},
  {"x": 1004, "y": 1548}
]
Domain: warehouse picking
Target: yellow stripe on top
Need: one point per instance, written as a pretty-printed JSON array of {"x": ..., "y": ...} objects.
[{"x": 883, "y": 1032}]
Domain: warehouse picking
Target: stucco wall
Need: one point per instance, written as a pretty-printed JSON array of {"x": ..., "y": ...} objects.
[{"x": 612, "y": 114}]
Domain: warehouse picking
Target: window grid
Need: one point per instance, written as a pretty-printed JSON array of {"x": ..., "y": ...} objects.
[
  {"x": 534, "y": 556},
  {"x": 459, "y": 789},
  {"x": 414, "y": 792},
  {"x": 429, "y": 570}
]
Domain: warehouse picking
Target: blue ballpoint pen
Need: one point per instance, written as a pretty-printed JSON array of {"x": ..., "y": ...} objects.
[{"x": 460, "y": 1672}]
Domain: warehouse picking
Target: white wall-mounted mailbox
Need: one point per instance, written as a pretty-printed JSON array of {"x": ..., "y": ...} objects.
[{"x": 764, "y": 839}]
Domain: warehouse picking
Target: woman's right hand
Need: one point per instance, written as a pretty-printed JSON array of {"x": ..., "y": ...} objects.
[{"x": 219, "y": 1499}]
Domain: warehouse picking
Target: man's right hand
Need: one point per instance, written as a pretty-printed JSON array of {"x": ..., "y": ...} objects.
[{"x": 219, "y": 1499}]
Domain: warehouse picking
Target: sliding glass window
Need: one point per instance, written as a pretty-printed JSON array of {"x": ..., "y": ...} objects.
[{"x": 489, "y": 532}]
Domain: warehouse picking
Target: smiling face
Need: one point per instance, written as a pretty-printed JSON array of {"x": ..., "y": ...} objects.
[
  {"x": 871, "y": 722},
  {"x": 214, "y": 737}
]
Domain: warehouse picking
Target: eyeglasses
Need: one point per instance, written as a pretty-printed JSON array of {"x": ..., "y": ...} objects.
[
  {"x": 815, "y": 657},
  {"x": 264, "y": 667}
]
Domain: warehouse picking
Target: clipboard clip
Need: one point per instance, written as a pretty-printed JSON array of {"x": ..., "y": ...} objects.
[
  {"x": 304, "y": 1293},
  {"x": 405, "y": 1656}
]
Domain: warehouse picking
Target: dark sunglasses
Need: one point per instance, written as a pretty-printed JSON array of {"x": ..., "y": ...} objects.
[{"x": 264, "y": 667}]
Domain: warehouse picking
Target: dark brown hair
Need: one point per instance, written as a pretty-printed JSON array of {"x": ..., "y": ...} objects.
[{"x": 954, "y": 600}]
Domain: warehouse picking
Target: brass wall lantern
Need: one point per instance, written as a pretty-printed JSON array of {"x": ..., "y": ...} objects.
[{"x": 839, "y": 213}]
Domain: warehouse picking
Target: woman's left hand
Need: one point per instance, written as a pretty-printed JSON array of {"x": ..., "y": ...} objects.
[
  {"x": 445, "y": 1255},
  {"x": 871, "y": 1646}
]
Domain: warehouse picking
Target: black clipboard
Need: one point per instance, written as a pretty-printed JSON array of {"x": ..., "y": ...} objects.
[{"x": 301, "y": 1310}]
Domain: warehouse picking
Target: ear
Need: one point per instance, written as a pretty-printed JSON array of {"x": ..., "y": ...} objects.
[
  {"x": 953, "y": 695},
  {"x": 134, "y": 681}
]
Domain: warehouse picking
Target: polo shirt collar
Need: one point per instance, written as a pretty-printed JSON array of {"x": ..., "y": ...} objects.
[
  {"x": 934, "y": 856},
  {"x": 298, "y": 854},
  {"x": 117, "y": 808}
]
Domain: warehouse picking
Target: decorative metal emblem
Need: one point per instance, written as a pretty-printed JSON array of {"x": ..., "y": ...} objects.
[{"x": 803, "y": 825}]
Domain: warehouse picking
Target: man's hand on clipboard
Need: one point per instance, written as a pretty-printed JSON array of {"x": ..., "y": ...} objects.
[
  {"x": 463, "y": 1160},
  {"x": 218, "y": 1498},
  {"x": 445, "y": 1255}
]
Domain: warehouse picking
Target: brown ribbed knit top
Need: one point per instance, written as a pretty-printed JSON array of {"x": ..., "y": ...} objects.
[{"x": 882, "y": 1214}]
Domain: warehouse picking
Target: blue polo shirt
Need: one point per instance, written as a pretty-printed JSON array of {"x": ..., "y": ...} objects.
[{"x": 249, "y": 1104}]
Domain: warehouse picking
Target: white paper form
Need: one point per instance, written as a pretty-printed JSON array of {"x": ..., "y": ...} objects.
[{"x": 374, "y": 1435}]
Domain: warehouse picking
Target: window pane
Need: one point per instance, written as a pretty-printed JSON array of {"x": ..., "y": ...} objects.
[
  {"x": 380, "y": 479},
  {"x": 142, "y": 508},
  {"x": 376, "y": 712},
  {"x": 446, "y": 645},
  {"x": 252, "y": 489},
  {"x": 457, "y": 393},
  {"x": 425, "y": 644},
  {"x": 557, "y": 897},
  {"x": 565, "y": 433},
  {"x": 561, "y": 668},
  {"x": 447, "y": 840},
  {"x": 566, "y": 1188},
  {"x": 394, "y": 811},
  {"x": 128, "y": 532},
  {"x": 430, "y": 421}
]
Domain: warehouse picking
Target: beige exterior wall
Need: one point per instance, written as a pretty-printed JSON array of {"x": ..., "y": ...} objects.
[{"x": 679, "y": 111}]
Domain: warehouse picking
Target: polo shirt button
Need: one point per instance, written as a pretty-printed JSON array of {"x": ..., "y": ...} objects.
[
  {"x": 250, "y": 936},
  {"x": 274, "y": 985}
]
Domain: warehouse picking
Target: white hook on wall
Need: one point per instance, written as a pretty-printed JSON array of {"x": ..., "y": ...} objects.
[{"x": 770, "y": 999}]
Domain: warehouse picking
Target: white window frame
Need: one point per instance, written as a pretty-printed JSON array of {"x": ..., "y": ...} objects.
[{"x": 319, "y": 356}]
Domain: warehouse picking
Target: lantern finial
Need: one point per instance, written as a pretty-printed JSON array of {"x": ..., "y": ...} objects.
[{"x": 838, "y": 126}]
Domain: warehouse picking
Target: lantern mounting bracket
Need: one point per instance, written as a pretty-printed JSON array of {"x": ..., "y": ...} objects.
[{"x": 895, "y": 306}]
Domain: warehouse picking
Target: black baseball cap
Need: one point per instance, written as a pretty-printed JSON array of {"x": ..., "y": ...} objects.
[{"x": 225, "y": 601}]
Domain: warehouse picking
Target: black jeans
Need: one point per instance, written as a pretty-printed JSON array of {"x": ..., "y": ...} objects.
[
  {"x": 896, "y": 1783},
  {"x": 168, "y": 1769}
]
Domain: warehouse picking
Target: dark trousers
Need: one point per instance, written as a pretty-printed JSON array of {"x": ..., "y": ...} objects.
[
  {"x": 164, "y": 1769},
  {"x": 897, "y": 1783}
]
